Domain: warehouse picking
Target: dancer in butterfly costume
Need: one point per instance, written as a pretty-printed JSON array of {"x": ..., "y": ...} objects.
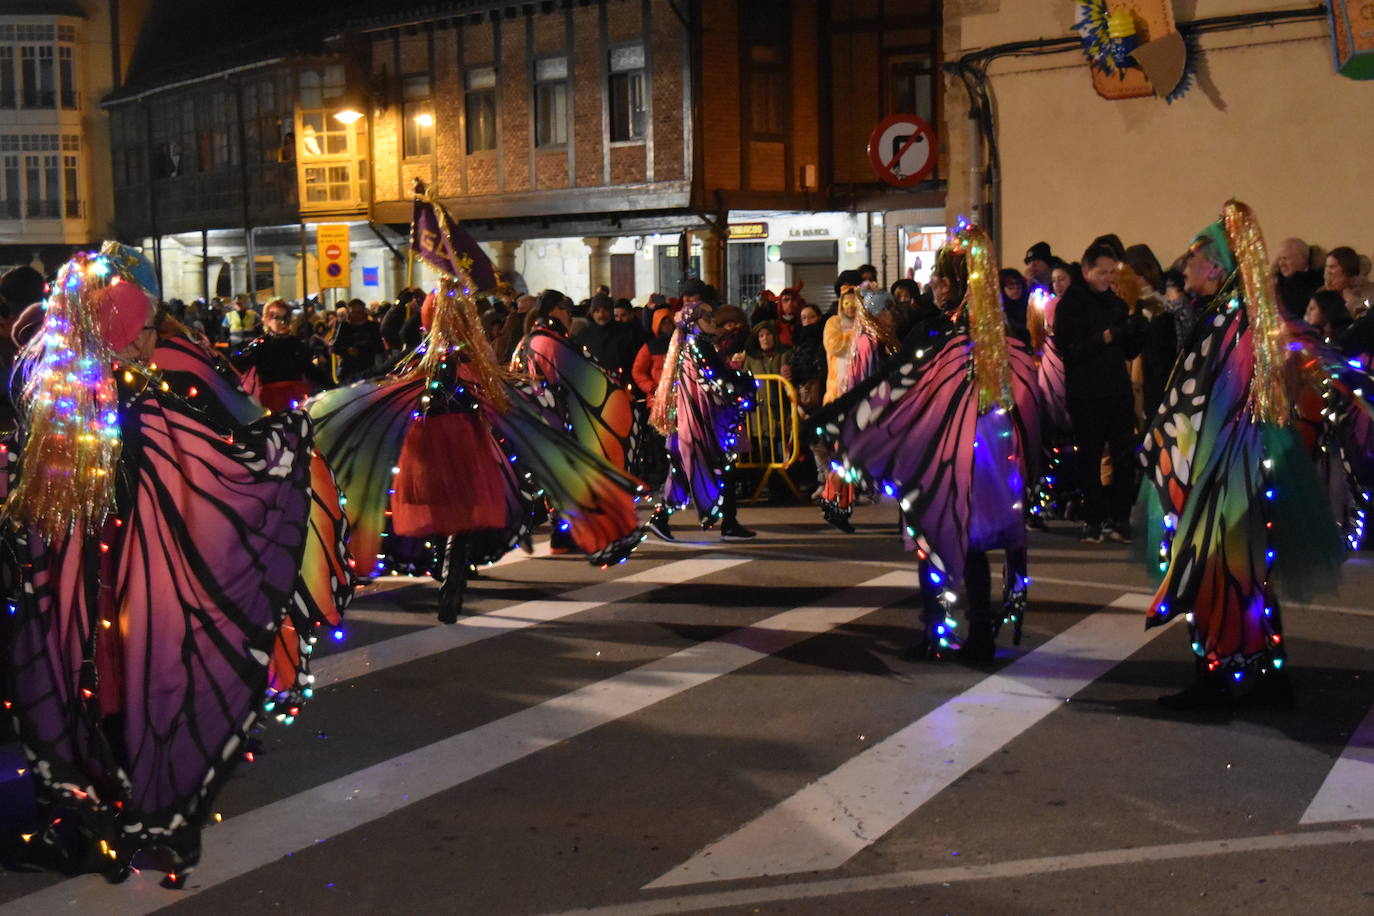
[
  {"x": 699, "y": 408},
  {"x": 449, "y": 448},
  {"x": 194, "y": 371},
  {"x": 1232, "y": 501},
  {"x": 598, "y": 412},
  {"x": 952, "y": 427},
  {"x": 158, "y": 560},
  {"x": 868, "y": 343}
]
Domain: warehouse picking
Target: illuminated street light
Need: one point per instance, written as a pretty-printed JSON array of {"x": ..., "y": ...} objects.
[
  {"x": 347, "y": 116},
  {"x": 424, "y": 119}
]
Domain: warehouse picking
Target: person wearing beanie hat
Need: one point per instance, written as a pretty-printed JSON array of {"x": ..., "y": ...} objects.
[
  {"x": 170, "y": 577},
  {"x": 950, "y": 428},
  {"x": 1039, "y": 264}
]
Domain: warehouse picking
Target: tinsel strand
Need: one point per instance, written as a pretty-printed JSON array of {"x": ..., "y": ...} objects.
[
  {"x": 986, "y": 323},
  {"x": 1269, "y": 401},
  {"x": 69, "y": 403}
]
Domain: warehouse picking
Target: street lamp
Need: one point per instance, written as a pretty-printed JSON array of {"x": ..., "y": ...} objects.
[
  {"x": 424, "y": 119},
  {"x": 348, "y": 115}
]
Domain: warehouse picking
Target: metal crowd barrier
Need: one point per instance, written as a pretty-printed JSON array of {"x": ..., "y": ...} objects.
[{"x": 773, "y": 429}]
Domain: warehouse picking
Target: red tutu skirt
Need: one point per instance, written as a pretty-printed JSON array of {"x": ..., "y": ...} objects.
[
  {"x": 450, "y": 479},
  {"x": 282, "y": 396}
]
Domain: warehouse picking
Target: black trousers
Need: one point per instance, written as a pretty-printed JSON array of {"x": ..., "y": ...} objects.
[
  {"x": 1105, "y": 423},
  {"x": 729, "y": 505}
]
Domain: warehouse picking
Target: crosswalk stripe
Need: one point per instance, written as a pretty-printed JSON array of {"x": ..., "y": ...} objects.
[
  {"x": 400, "y": 650},
  {"x": 262, "y": 836},
  {"x": 1347, "y": 794},
  {"x": 720, "y": 901},
  {"x": 831, "y": 820}
]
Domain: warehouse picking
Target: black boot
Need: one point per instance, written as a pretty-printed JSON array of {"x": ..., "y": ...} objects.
[
  {"x": 980, "y": 648},
  {"x": 838, "y": 518},
  {"x": 658, "y": 524},
  {"x": 455, "y": 581}
]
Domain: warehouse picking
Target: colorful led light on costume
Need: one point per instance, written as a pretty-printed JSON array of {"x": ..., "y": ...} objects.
[{"x": 71, "y": 417}]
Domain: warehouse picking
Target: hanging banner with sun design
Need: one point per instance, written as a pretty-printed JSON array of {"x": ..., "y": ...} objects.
[{"x": 1135, "y": 49}]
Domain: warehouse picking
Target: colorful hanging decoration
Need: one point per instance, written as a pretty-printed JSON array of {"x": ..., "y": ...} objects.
[
  {"x": 1135, "y": 50},
  {"x": 1352, "y": 38}
]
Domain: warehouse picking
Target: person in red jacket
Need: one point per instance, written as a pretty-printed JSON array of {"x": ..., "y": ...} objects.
[
  {"x": 651, "y": 457},
  {"x": 648, "y": 365}
]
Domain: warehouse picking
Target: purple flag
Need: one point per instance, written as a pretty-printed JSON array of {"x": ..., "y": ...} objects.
[{"x": 438, "y": 239}]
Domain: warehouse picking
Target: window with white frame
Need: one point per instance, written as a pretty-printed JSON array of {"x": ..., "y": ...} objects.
[
  {"x": 40, "y": 176},
  {"x": 628, "y": 112},
  {"x": 551, "y": 101},
  {"x": 479, "y": 105},
  {"x": 38, "y": 66}
]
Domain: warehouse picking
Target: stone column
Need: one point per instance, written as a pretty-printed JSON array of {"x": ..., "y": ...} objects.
[
  {"x": 190, "y": 284},
  {"x": 287, "y": 287},
  {"x": 503, "y": 256},
  {"x": 237, "y": 267},
  {"x": 599, "y": 263},
  {"x": 712, "y": 257}
]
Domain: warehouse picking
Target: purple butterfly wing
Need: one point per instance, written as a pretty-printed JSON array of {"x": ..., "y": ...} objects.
[
  {"x": 914, "y": 430},
  {"x": 208, "y": 561}
]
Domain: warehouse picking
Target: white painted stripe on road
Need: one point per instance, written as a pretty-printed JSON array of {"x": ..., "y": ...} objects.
[
  {"x": 264, "y": 835},
  {"x": 825, "y": 824},
  {"x": 400, "y": 650},
  {"x": 1348, "y": 792},
  {"x": 390, "y": 618},
  {"x": 756, "y": 551},
  {"x": 1019, "y": 868}
]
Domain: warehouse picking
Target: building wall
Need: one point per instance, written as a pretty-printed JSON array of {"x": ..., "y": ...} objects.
[
  {"x": 1269, "y": 122},
  {"x": 83, "y": 132},
  {"x": 485, "y": 183}
]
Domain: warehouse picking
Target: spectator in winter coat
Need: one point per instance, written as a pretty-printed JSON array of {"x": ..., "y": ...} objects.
[
  {"x": 611, "y": 343},
  {"x": 1294, "y": 277},
  {"x": 1097, "y": 334},
  {"x": 648, "y": 365},
  {"x": 764, "y": 356}
]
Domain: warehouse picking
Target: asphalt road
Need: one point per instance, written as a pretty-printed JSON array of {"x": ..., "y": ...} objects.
[{"x": 732, "y": 728}]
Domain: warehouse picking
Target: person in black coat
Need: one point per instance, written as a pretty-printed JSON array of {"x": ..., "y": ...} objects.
[
  {"x": 1164, "y": 339},
  {"x": 612, "y": 344},
  {"x": 357, "y": 343},
  {"x": 1097, "y": 334},
  {"x": 1294, "y": 277}
]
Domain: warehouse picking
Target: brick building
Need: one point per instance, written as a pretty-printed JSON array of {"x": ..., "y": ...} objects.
[{"x": 583, "y": 141}]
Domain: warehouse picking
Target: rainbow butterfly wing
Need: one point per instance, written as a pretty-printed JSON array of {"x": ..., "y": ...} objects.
[
  {"x": 600, "y": 412},
  {"x": 360, "y": 429},
  {"x": 324, "y": 587},
  {"x": 595, "y": 498}
]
